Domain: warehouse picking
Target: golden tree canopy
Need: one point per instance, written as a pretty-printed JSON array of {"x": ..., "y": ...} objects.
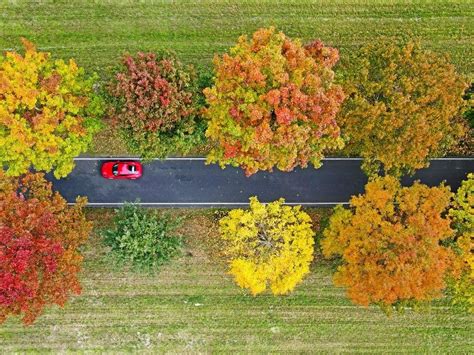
[
  {"x": 269, "y": 245},
  {"x": 462, "y": 214},
  {"x": 48, "y": 112}
]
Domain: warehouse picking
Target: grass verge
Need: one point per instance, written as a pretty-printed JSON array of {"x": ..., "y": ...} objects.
[
  {"x": 97, "y": 33},
  {"x": 192, "y": 305}
]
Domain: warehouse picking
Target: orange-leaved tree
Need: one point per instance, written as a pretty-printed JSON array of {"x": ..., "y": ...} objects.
[
  {"x": 39, "y": 240},
  {"x": 401, "y": 107},
  {"x": 273, "y": 103},
  {"x": 49, "y": 112},
  {"x": 390, "y": 244}
]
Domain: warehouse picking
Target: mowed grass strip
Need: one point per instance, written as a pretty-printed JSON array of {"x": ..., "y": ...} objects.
[
  {"x": 193, "y": 305},
  {"x": 97, "y": 33}
]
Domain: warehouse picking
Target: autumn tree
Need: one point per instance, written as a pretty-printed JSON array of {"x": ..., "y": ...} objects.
[
  {"x": 401, "y": 106},
  {"x": 39, "y": 240},
  {"x": 273, "y": 103},
  {"x": 462, "y": 214},
  {"x": 269, "y": 245},
  {"x": 465, "y": 144},
  {"x": 49, "y": 112},
  {"x": 154, "y": 104},
  {"x": 389, "y": 242}
]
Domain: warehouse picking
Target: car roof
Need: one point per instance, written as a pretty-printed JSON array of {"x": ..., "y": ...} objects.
[{"x": 123, "y": 168}]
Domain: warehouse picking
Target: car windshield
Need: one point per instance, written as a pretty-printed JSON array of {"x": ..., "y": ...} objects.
[
  {"x": 115, "y": 169},
  {"x": 131, "y": 168}
]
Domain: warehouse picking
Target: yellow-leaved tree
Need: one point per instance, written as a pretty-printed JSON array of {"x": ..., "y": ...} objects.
[
  {"x": 462, "y": 214},
  {"x": 48, "y": 112},
  {"x": 269, "y": 245}
]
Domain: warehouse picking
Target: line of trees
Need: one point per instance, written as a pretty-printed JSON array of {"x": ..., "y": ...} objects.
[
  {"x": 273, "y": 103},
  {"x": 395, "y": 246}
]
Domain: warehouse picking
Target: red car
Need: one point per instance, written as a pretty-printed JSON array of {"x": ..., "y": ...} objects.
[{"x": 120, "y": 170}]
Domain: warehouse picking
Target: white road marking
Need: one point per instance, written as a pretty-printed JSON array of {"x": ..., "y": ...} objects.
[
  {"x": 203, "y": 158},
  {"x": 204, "y": 203},
  {"x": 216, "y": 203},
  {"x": 137, "y": 158}
]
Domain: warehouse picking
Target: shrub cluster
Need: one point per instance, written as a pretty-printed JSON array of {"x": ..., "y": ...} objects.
[{"x": 143, "y": 238}]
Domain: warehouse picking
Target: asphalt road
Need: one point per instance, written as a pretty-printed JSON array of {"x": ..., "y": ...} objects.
[{"x": 188, "y": 182}]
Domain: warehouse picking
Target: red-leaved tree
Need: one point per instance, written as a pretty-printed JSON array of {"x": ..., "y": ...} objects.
[
  {"x": 39, "y": 240},
  {"x": 153, "y": 102},
  {"x": 273, "y": 103}
]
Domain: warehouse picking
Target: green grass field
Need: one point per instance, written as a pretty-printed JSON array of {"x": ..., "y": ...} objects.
[
  {"x": 193, "y": 306},
  {"x": 97, "y": 33}
]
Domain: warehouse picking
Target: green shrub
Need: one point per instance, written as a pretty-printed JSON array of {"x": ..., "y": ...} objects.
[{"x": 143, "y": 237}]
